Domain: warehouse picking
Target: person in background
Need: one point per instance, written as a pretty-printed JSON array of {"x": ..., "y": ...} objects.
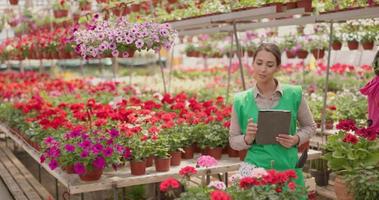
[
  {"x": 269, "y": 93},
  {"x": 371, "y": 90}
]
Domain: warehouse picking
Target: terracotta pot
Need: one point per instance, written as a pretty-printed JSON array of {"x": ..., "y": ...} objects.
[
  {"x": 353, "y": 45},
  {"x": 306, "y": 4},
  {"x": 135, "y": 7},
  {"x": 301, "y": 53},
  {"x": 13, "y": 2},
  {"x": 176, "y": 157},
  {"x": 232, "y": 153},
  {"x": 85, "y": 6},
  {"x": 290, "y": 54},
  {"x": 117, "y": 11},
  {"x": 162, "y": 164},
  {"x": 172, "y": 1},
  {"x": 60, "y": 13},
  {"x": 250, "y": 53},
  {"x": 318, "y": 53},
  {"x": 215, "y": 152},
  {"x": 138, "y": 168},
  {"x": 102, "y": 1},
  {"x": 69, "y": 169},
  {"x": 91, "y": 175},
  {"x": 291, "y": 5},
  {"x": 149, "y": 161},
  {"x": 196, "y": 148},
  {"x": 303, "y": 147},
  {"x": 336, "y": 45},
  {"x": 242, "y": 154},
  {"x": 368, "y": 45},
  {"x": 188, "y": 153},
  {"x": 341, "y": 189}
]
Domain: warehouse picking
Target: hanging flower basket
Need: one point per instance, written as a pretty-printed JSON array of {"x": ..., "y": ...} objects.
[
  {"x": 138, "y": 168},
  {"x": 290, "y": 54},
  {"x": 162, "y": 164},
  {"x": 13, "y": 2},
  {"x": 301, "y": 53},
  {"x": 336, "y": 45},
  {"x": 91, "y": 175},
  {"x": 353, "y": 45},
  {"x": 367, "y": 45},
  {"x": 318, "y": 53}
]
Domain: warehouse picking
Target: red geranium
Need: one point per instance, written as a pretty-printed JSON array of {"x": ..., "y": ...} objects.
[
  {"x": 187, "y": 171},
  {"x": 169, "y": 183},
  {"x": 350, "y": 138},
  {"x": 220, "y": 195},
  {"x": 346, "y": 125}
]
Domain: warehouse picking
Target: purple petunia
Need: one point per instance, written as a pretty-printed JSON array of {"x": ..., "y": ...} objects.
[
  {"x": 49, "y": 140},
  {"x": 42, "y": 159},
  {"x": 69, "y": 148},
  {"x": 79, "y": 168},
  {"x": 53, "y": 164},
  {"x": 84, "y": 154},
  {"x": 112, "y": 46},
  {"x": 128, "y": 40},
  {"x": 163, "y": 32},
  {"x": 115, "y": 53},
  {"x": 85, "y": 144},
  {"x": 97, "y": 148},
  {"x": 125, "y": 55},
  {"x": 99, "y": 163},
  {"x": 53, "y": 152},
  {"x": 139, "y": 43},
  {"x": 114, "y": 133},
  {"x": 108, "y": 152}
]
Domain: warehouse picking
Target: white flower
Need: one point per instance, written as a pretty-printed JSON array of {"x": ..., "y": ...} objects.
[
  {"x": 258, "y": 172},
  {"x": 235, "y": 178},
  {"x": 246, "y": 169},
  {"x": 217, "y": 185}
]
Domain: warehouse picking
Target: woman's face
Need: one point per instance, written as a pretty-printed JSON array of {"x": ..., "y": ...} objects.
[{"x": 265, "y": 66}]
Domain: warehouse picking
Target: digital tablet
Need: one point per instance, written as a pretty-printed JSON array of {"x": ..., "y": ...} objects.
[{"x": 271, "y": 123}]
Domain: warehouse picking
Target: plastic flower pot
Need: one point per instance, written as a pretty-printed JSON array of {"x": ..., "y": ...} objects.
[
  {"x": 102, "y": 1},
  {"x": 231, "y": 152},
  {"x": 342, "y": 190},
  {"x": 242, "y": 154},
  {"x": 290, "y": 54},
  {"x": 188, "y": 153},
  {"x": 196, "y": 148},
  {"x": 135, "y": 7},
  {"x": 138, "y": 168},
  {"x": 291, "y": 5},
  {"x": 162, "y": 164},
  {"x": 91, "y": 175},
  {"x": 117, "y": 11},
  {"x": 367, "y": 45},
  {"x": 215, "y": 152},
  {"x": 336, "y": 45},
  {"x": 321, "y": 177},
  {"x": 149, "y": 161},
  {"x": 85, "y": 6},
  {"x": 301, "y": 53},
  {"x": 318, "y": 53},
  {"x": 60, "y": 13},
  {"x": 13, "y": 2},
  {"x": 176, "y": 157},
  {"x": 353, "y": 45},
  {"x": 172, "y": 1},
  {"x": 69, "y": 169},
  {"x": 306, "y": 4}
]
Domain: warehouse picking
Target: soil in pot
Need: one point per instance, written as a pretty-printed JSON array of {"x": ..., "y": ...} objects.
[
  {"x": 321, "y": 177},
  {"x": 188, "y": 153},
  {"x": 162, "y": 164},
  {"x": 138, "y": 168},
  {"x": 176, "y": 157},
  {"x": 91, "y": 175},
  {"x": 342, "y": 190}
]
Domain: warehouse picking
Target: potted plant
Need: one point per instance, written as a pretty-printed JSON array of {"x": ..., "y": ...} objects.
[
  {"x": 13, "y": 2},
  {"x": 302, "y": 48},
  {"x": 367, "y": 39},
  {"x": 162, "y": 156},
  {"x": 60, "y": 8},
  {"x": 350, "y": 34},
  {"x": 190, "y": 50},
  {"x": 214, "y": 139},
  {"x": 175, "y": 142},
  {"x": 336, "y": 42},
  {"x": 138, "y": 155},
  {"x": 251, "y": 48},
  {"x": 318, "y": 46},
  {"x": 350, "y": 151},
  {"x": 288, "y": 45},
  {"x": 85, "y": 5},
  {"x": 319, "y": 170}
]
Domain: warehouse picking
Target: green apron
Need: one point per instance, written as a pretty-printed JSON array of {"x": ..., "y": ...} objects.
[{"x": 271, "y": 156}]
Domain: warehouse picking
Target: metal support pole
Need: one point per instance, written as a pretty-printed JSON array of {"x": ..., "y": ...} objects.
[
  {"x": 239, "y": 55},
  {"x": 81, "y": 67},
  {"x": 226, "y": 178},
  {"x": 115, "y": 192},
  {"x": 114, "y": 67},
  {"x": 81, "y": 196},
  {"x": 39, "y": 173},
  {"x": 229, "y": 69},
  {"x": 56, "y": 190},
  {"x": 171, "y": 66},
  {"x": 162, "y": 73},
  {"x": 326, "y": 82}
]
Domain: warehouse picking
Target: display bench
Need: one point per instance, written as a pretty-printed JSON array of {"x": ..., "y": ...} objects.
[{"x": 113, "y": 180}]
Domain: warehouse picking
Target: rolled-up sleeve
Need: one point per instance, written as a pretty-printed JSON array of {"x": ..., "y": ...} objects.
[
  {"x": 307, "y": 126},
  {"x": 236, "y": 139}
]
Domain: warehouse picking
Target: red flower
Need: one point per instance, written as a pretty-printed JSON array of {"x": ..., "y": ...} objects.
[
  {"x": 332, "y": 107},
  {"x": 227, "y": 124},
  {"x": 187, "y": 171},
  {"x": 169, "y": 183},
  {"x": 350, "y": 138},
  {"x": 220, "y": 195},
  {"x": 248, "y": 182},
  {"x": 278, "y": 189},
  {"x": 346, "y": 125},
  {"x": 91, "y": 103},
  {"x": 292, "y": 186}
]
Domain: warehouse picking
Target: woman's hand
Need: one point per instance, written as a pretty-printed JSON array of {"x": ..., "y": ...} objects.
[
  {"x": 251, "y": 132},
  {"x": 288, "y": 141}
]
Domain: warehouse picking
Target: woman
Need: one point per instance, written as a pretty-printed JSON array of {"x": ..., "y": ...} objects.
[
  {"x": 371, "y": 90},
  {"x": 269, "y": 93}
]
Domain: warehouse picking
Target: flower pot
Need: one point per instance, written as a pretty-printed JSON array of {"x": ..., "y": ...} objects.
[
  {"x": 149, "y": 161},
  {"x": 172, "y": 1},
  {"x": 13, "y": 2},
  {"x": 215, "y": 152},
  {"x": 242, "y": 154},
  {"x": 368, "y": 45},
  {"x": 250, "y": 53},
  {"x": 162, "y": 164},
  {"x": 329, "y": 124},
  {"x": 318, "y": 53},
  {"x": 353, "y": 45},
  {"x": 91, "y": 175},
  {"x": 321, "y": 177},
  {"x": 138, "y": 168},
  {"x": 117, "y": 11},
  {"x": 85, "y": 6},
  {"x": 290, "y": 54},
  {"x": 176, "y": 157},
  {"x": 301, "y": 53},
  {"x": 232, "y": 153},
  {"x": 69, "y": 169},
  {"x": 102, "y": 1},
  {"x": 196, "y": 148},
  {"x": 341, "y": 189},
  {"x": 306, "y": 4},
  {"x": 135, "y": 7},
  {"x": 188, "y": 153},
  {"x": 291, "y": 5},
  {"x": 336, "y": 45},
  {"x": 301, "y": 148},
  {"x": 60, "y": 13}
]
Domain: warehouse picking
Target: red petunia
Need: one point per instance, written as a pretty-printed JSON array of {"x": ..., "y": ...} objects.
[
  {"x": 187, "y": 171},
  {"x": 169, "y": 183},
  {"x": 220, "y": 195}
]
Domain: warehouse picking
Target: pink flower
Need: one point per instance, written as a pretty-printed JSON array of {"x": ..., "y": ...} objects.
[
  {"x": 220, "y": 195},
  {"x": 69, "y": 148},
  {"x": 206, "y": 161},
  {"x": 217, "y": 185},
  {"x": 97, "y": 148},
  {"x": 42, "y": 159},
  {"x": 292, "y": 186},
  {"x": 53, "y": 164},
  {"x": 84, "y": 154},
  {"x": 108, "y": 152},
  {"x": 258, "y": 172},
  {"x": 115, "y": 53},
  {"x": 127, "y": 153},
  {"x": 139, "y": 43},
  {"x": 114, "y": 133},
  {"x": 99, "y": 163},
  {"x": 79, "y": 168},
  {"x": 125, "y": 55}
]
